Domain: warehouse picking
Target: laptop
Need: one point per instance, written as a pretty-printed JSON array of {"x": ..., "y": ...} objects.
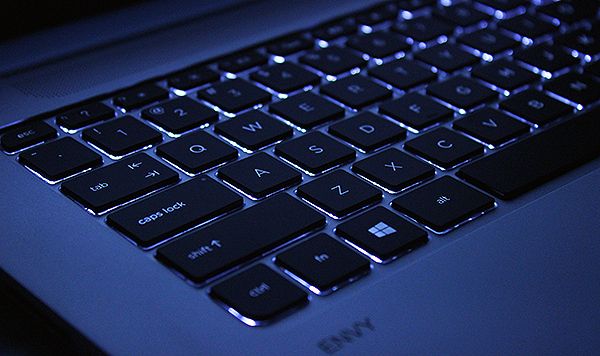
[{"x": 308, "y": 177}]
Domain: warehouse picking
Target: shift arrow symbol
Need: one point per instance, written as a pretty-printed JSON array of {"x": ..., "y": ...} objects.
[
  {"x": 216, "y": 243},
  {"x": 489, "y": 123}
]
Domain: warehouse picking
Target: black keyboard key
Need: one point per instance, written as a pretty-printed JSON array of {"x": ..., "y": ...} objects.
[
  {"x": 412, "y": 5},
  {"x": 333, "y": 60},
  {"x": 242, "y": 61},
  {"x": 443, "y": 204},
  {"x": 356, "y": 91},
  {"x": 315, "y": 152},
  {"x": 462, "y": 92},
  {"x": 193, "y": 77},
  {"x": 447, "y": 57},
  {"x": 504, "y": 74},
  {"x": 259, "y": 175},
  {"x": 575, "y": 87},
  {"x": 393, "y": 170},
  {"x": 503, "y": 5},
  {"x": 535, "y": 107},
  {"x": 488, "y": 41},
  {"x": 307, "y": 110},
  {"x": 546, "y": 57},
  {"x": 416, "y": 110},
  {"x": 373, "y": 16},
  {"x": 335, "y": 29},
  {"x": 254, "y": 130},
  {"x": 444, "y": 147},
  {"x": 60, "y": 159},
  {"x": 289, "y": 45},
  {"x": 584, "y": 41},
  {"x": 339, "y": 193},
  {"x": 140, "y": 96},
  {"x": 26, "y": 135},
  {"x": 258, "y": 295},
  {"x": 378, "y": 44},
  {"x": 234, "y": 95},
  {"x": 121, "y": 136},
  {"x": 107, "y": 187},
  {"x": 180, "y": 115},
  {"x": 528, "y": 164},
  {"x": 461, "y": 14},
  {"x": 491, "y": 126},
  {"x": 285, "y": 77},
  {"x": 174, "y": 210},
  {"x": 85, "y": 115},
  {"x": 323, "y": 264},
  {"x": 593, "y": 69},
  {"x": 368, "y": 131},
  {"x": 423, "y": 29},
  {"x": 527, "y": 25},
  {"x": 382, "y": 235},
  {"x": 223, "y": 245},
  {"x": 569, "y": 11},
  {"x": 197, "y": 152},
  {"x": 403, "y": 74}
]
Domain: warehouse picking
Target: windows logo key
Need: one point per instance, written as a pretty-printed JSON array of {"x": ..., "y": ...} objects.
[{"x": 381, "y": 229}]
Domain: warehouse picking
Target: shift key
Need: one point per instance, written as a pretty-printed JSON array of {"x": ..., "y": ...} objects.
[
  {"x": 110, "y": 186},
  {"x": 239, "y": 238}
]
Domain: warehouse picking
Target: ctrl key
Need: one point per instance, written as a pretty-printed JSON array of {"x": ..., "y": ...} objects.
[{"x": 258, "y": 295}]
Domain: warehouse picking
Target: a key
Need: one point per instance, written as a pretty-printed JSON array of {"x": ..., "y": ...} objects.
[
  {"x": 26, "y": 135},
  {"x": 575, "y": 87},
  {"x": 85, "y": 115},
  {"x": 460, "y": 14},
  {"x": 447, "y": 57},
  {"x": 285, "y": 77},
  {"x": 180, "y": 115},
  {"x": 323, "y": 264},
  {"x": 443, "y": 204},
  {"x": 192, "y": 77},
  {"x": 339, "y": 193},
  {"x": 60, "y": 159},
  {"x": 258, "y": 295},
  {"x": 289, "y": 45},
  {"x": 403, "y": 74},
  {"x": 172, "y": 211},
  {"x": 503, "y": 5},
  {"x": 526, "y": 25},
  {"x": 504, "y": 74},
  {"x": 254, "y": 130},
  {"x": 416, "y": 110},
  {"x": 335, "y": 29},
  {"x": 206, "y": 253},
  {"x": 488, "y": 41},
  {"x": 333, "y": 60},
  {"x": 382, "y": 235},
  {"x": 584, "y": 41},
  {"x": 462, "y": 92},
  {"x": 535, "y": 107},
  {"x": 375, "y": 15},
  {"x": 491, "y": 126},
  {"x": 549, "y": 58},
  {"x": 356, "y": 91},
  {"x": 197, "y": 152},
  {"x": 315, "y": 152},
  {"x": 140, "y": 96},
  {"x": 234, "y": 95},
  {"x": 260, "y": 175},
  {"x": 242, "y": 61},
  {"x": 568, "y": 11},
  {"x": 368, "y": 131},
  {"x": 393, "y": 170},
  {"x": 307, "y": 110},
  {"x": 444, "y": 147},
  {"x": 378, "y": 44},
  {"x": 105, "y": 188},
  {"x": 528, "y": 164},
  {"x": 121, "y": 136},
  {"x": 423, "y": 29}
]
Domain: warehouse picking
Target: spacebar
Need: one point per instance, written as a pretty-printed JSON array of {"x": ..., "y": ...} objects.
[
  {"x": 537, "y": 159},
  {"x": 208, "y": 252}
]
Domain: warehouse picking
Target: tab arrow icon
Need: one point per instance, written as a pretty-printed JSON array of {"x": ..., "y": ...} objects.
[
  {"x": 134, "y": 165},
  {"x": 152, "y": 174}
]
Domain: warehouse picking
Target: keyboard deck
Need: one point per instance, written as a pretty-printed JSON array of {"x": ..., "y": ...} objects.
[{"x": 331, "y": 150}]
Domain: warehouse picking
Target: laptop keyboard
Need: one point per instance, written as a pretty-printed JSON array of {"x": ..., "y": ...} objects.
[{"x": 376, "y": 132}]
